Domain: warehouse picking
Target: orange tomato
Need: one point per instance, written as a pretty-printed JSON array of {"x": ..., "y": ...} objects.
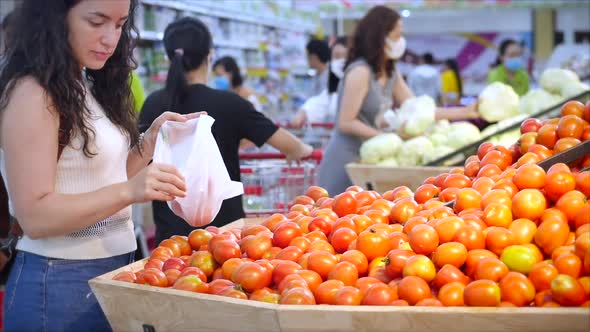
[
  {"x": 530, "y": 176},
  {"x": 529, "y": 204},
  {"x": 570, "y": 126},
  {"x": 517, "y": 289},
  {"x": 482, "y": 293},
  {"x": 498, "y": 238},
  {"x": 423, "y": 239},
  {"x": 471, "y": 237},
  {"x": 547, "y": 135},
  {"x": 453, "y": 253},
  {"x": 565, "y": 143},
  {"x": 542, "y": 274},
  {"x": 552, "y": 233},
  {"x": 573, "y": 107},
  {"x": 467, "y": 198},
  {"x": 413, "y": 289},
  {"x": 523, "y": 230},
  {"x": 373, "y": 244}
]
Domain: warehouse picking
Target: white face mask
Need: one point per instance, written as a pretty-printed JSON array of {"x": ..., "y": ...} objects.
[
  {"x": 337, "y": 67},
  {"x": 395, "y": 49}
]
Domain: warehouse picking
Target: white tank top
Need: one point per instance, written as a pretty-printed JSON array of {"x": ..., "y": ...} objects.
[{"x": 76, "y": 174}]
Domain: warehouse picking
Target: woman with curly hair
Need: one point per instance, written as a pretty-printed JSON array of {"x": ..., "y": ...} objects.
[
  {"x": 370, "y": 86},
  {"x": 73, "y": 158}
]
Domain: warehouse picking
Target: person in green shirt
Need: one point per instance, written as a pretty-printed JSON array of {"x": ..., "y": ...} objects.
[
  {"x": 510, "y": 67},
  {"x": 137, "y": 91}
]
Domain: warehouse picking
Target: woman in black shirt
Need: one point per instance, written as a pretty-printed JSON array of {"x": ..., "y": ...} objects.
[{"x": 188, "y": 45}]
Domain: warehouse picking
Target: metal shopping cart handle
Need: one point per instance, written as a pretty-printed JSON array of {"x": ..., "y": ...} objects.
[
  {"x": 316, "y": 155},
  {"x": 325, "y": 125}
]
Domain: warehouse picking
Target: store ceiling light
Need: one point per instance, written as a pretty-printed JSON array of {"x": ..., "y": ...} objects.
[{"x": 406, "y": 13}]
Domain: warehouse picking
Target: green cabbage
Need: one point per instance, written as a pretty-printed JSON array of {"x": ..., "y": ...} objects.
[
  {"x": 554, "y": 79},
  {"x": 462, "y": 133},
  {"x": 379, "y": 148},
  {"x": 413, "y": 151},
  {"x": 498, "y": 101},
  {"x": 537, "y": 100}
]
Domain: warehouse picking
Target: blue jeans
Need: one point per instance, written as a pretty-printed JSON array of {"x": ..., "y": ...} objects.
[{"x": 49, "y": 294}]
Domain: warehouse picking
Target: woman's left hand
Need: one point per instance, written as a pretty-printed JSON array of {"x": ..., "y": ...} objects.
[{"x": 148, "y": 143}]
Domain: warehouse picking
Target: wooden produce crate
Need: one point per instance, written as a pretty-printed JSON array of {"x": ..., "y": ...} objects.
[
  {"x": 383, "y": 178},
  {"x": 132, "y": 307}
]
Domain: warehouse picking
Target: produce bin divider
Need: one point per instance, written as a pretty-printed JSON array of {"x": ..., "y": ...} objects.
[{"x": 470, "y": 149}]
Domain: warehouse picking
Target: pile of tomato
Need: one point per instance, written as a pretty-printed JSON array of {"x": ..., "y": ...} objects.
[{"x": 511, "y": 235}]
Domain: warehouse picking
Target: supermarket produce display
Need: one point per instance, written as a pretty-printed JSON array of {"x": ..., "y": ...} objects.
[{"x": 517, "y": 235}]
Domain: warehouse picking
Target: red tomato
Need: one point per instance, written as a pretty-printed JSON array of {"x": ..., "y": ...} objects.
[
  {"x": 471, "y": 237},
  {"x": 413, "y": 289},
  {"x": 423, "y": 239},
  {"x": 358, "y": 259},
  {"x": 321, "y": 224},
  {"x": 373, "y": 244},
  {"x": 325, "y": 293},
  {"x": 566, "y": 290},
  {"x": 482, "y": 293},
  {"x": 379, "y": 294},
  {"x": 453, "y": 253},
  {"x": 526, "y": 140},
  {"x": 451, "y": 294},
  {"x": 448, "y": 274},
  {"x": 570, "y": 126},
  {"x": 530, "y": 125},
  {"x": 572, "y": 107},
  {"x": 345, "y": 272},
  {"x": 529, "y": 204},
  {"x": 284, "y": 233},
  {"x": 517, "y": 289},
  {"x": 348, "y": 295},
  {"x": 345, "y": 204}
]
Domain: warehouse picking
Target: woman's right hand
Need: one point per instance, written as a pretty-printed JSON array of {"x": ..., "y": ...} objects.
[{"x": 157, "y": 182}]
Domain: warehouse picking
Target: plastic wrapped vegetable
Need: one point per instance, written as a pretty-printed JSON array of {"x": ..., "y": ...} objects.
[
  {"x": 418, "y": 114},
  {"x": 498, "y": 101}
]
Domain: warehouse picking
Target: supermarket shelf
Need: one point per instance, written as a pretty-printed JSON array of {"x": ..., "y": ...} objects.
[
  {"x": 244, "y": 45},
  {"x": 293, "y": 25}
]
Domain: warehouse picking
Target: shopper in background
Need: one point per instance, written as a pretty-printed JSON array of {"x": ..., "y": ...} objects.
[
  {"x": 318, "y": 55},
  {"x": 137, "y": 91},
  {"x": 451, "y": 83},
  {"x": 425, "y": 78},
  {"x": 229, "y": 77},
  {"x": 322, "y": 108},
  {"x": 73, "y": 159},
  {"x": 370, "y": 86},
  {"x": 188, "y": 45},
  {"x": 510, "y": 67}
]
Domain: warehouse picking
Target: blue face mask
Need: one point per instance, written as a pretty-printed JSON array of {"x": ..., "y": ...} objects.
[
  {"x": 221, "y": 83},
  {"x": 514, "y": 64}
]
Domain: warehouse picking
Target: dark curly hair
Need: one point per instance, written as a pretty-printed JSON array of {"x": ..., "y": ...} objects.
[
  {"x": 230, "y": 65},
  {"x": 42, "y": 51},
  {"x": 368, "y": 40}
]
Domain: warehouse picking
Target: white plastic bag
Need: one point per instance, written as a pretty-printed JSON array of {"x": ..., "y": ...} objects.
[{"x": 191, "y": 147}]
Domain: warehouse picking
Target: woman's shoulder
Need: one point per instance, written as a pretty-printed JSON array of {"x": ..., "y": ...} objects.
[{"x": 28, "y": 91}]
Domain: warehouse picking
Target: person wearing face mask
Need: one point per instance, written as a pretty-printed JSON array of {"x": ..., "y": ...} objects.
[
  {"x": 370, "y": 86},
  {"x": 318, "y": 55},
  {"x": 510, "y": 67},
  {"x": 229, "y": 78},
  {"x": 322, "y": 108},
  {"x": 188, "y": 45}
]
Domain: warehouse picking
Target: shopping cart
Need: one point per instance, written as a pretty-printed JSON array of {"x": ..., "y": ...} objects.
[
  {"x": 315, "y": 134},
  {"x": 270, "y": 184}
]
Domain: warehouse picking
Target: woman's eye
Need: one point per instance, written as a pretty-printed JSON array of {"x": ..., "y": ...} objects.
[{"x": 95, "y": 24}]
